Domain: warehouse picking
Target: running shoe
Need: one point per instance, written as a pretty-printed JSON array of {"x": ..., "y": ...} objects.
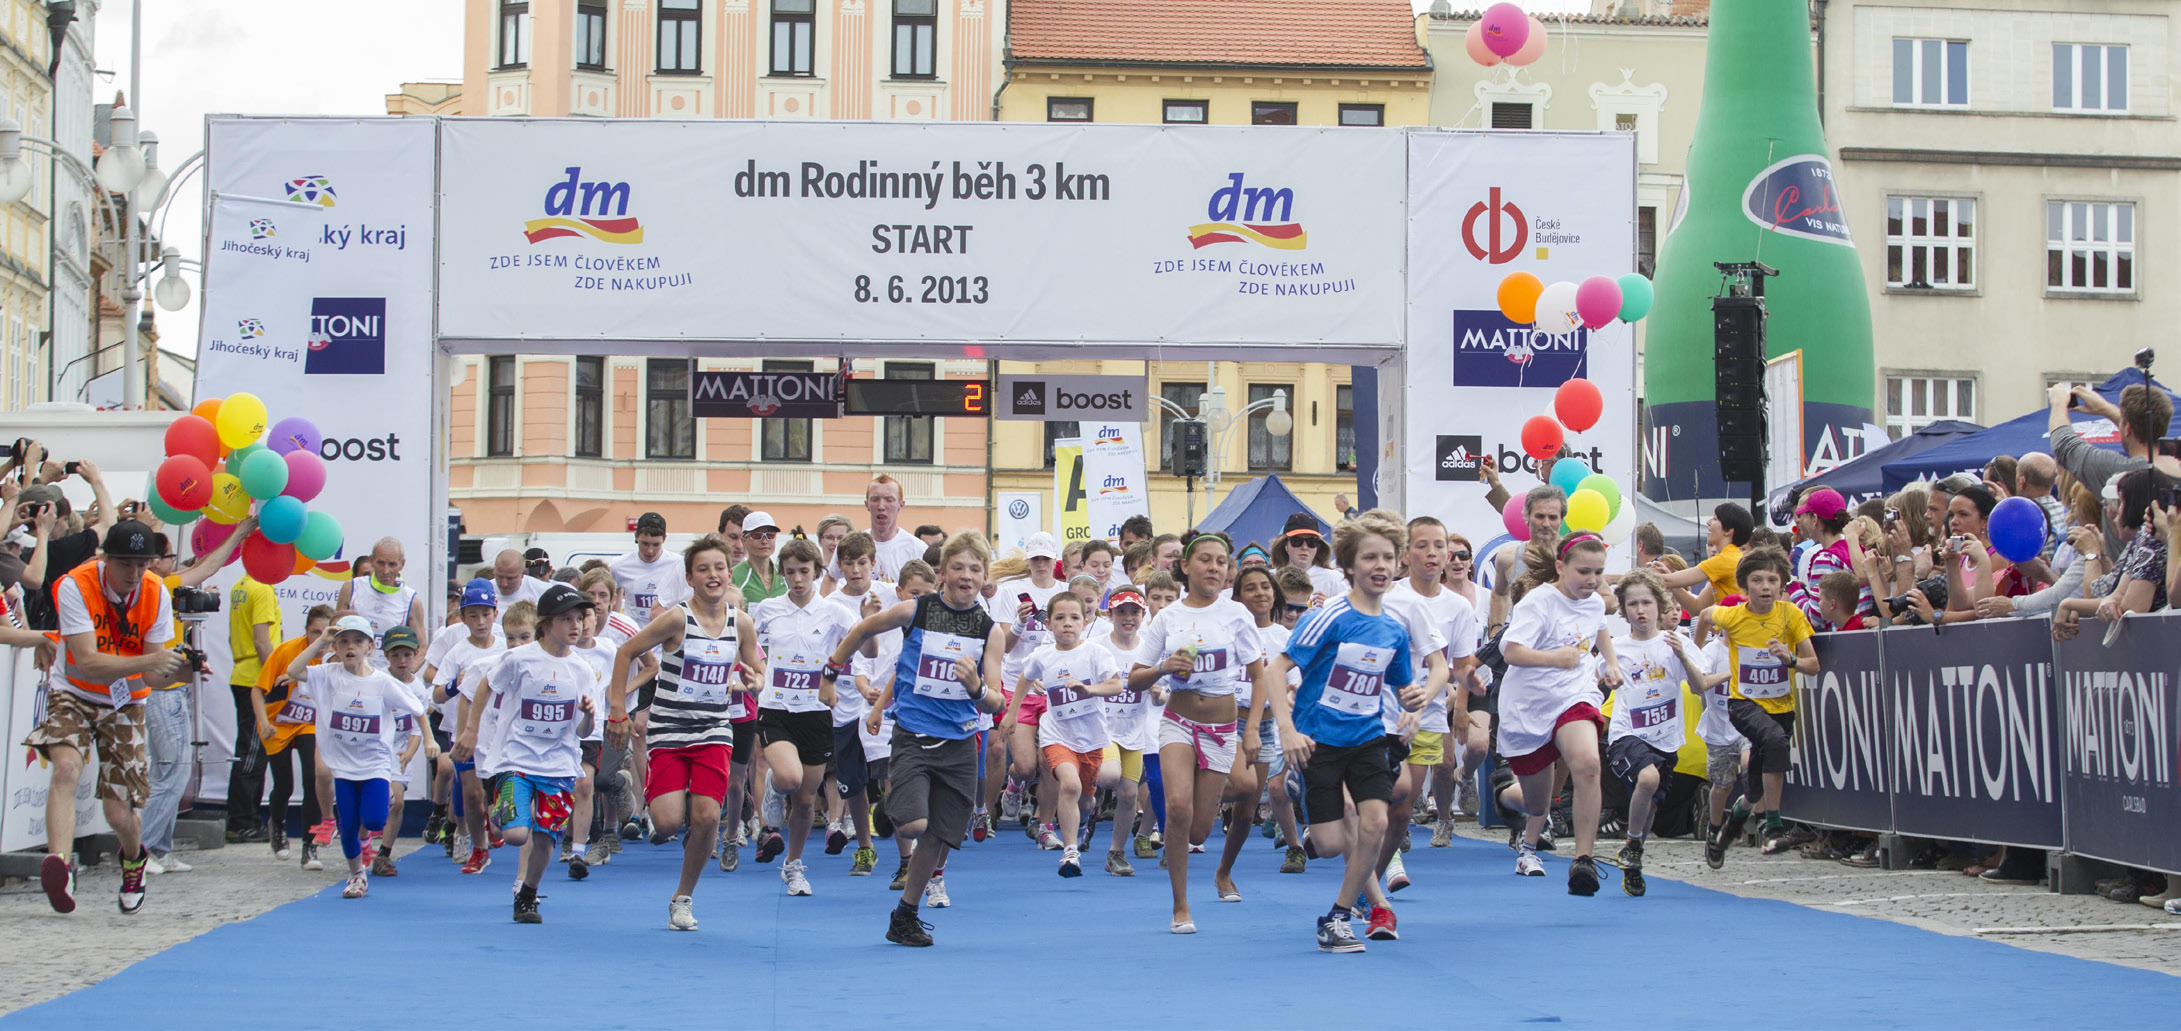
[
  {"x": 567, "y": 849},
  {"x": 153, "y": 866},
  {"x": 59, "y": 881},
  {"x": 1382, "y": 926},
  {"x": 1293, "y": 781},
  {"x": 1011, "y": 803},
  {"x": 904, "y": 928},
  {"x": 459, "y": 846},
  {"x": 776, "y": 809},
  {"x": 883, "y": 825},
  {"x": 1631, "y": 863},
  {"x": 358, "y": 883},
  {"x": 1613, "y": 828},
  {"x": 322, "y": 833},
  {"x": 901, "y": 877},
  {"x": 1397, "y": 874},
  {"x": 434, "y": 825},
  {"x": 1547, "y": 841},
  {"x": 791, "y": 874},
  {"x": 1404, "y": 843},
  {"x": 1514, "y": 836},
  {"x": 770, "y": 848},
  {"x": 1442, "y": 833},
  {"x": 1117, "y": 864},
  {"x": 1047, "y": 839},
  {"x": 729, "y": 855},
  {"x": 1335, "y": 934},
  {"x": 1196, "y": 850},
  {"x": 1527, "y": 864},
  {"x": 578, "y": 867},
  {"x": 526, "y": 906},
  {"x": 1144, "y": 848},
  {"x": 1630, "y": 855},
  {"x": 1466, "y": 798},
  {"x": 2173, "y": 906},
  {"x": 1295, "y": 862},
  {"x": 631, "y": 829},
  {"x": 1583, "y": 877},
  {"x": 174, "y": 863},
  {"x": 980, "y": 826},
  {"x": 478, "y": 860},
  {"x": 598, "y": 854},
  {"x": 310, "y": 856},
  {"x": 382, "y": 865},
  {"x": 132, "y": 882},
  {"x": 279, "y": 844},
  {"x": 1715, "y": 849},
  {"x": 1737, "y": 821},
  {"x": 1071, "y": 863},
  {"x": 680, "y": 914},
  {"x": 836, "y": 840},
  {"x": 497, "y": 840},
  {"x": 1269, "y": 827},
  {"x": 613, "y": 845},
  {"x": 864, "y": 861},
  {"x": 1787, "y": 837},
  {"x": 935, "y": 892}
]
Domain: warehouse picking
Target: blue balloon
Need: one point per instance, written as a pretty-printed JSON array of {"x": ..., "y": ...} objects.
[
  {"x": 2017, "y": 529},
  {"x": 282, "y": 519},
  {"x": 1568, "y": 473}
]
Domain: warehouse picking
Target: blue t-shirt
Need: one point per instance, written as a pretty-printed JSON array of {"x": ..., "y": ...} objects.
[
  {"x": 1348, "y": 661},
  {"x": 928, "y": 699}
]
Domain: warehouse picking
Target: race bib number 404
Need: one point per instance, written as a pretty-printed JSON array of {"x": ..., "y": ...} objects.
[{"x": 1762, "y": 680}]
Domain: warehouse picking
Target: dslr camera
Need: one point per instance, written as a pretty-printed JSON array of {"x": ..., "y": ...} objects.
[{"x": 189, "y": 601}]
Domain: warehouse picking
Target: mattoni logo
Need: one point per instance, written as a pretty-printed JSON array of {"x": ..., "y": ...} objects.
[
  {"x": 1029, "y": 397},
  {"x": 347, "y": 337},
  {"x": 310, "y": 189},
  {"x": 1460, "y": 458},
  {"x": 261, "y": 229},
  {"x": 1491, "y": 350},
  {"x": 573, "y": 207},
  {"x": 1494, "y": 209},
  {"x": 1260, "y": 215},
  {"x": 249, "y": 329}
]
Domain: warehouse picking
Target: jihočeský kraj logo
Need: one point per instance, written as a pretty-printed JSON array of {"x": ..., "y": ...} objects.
[
  {"x": 250, "y": 339},
  {"x": 261, "y": 229},
  {"x": 575, "y": 215},
  {"x": 1272, "y": 259},
  {"x": 310, "y": 189}
]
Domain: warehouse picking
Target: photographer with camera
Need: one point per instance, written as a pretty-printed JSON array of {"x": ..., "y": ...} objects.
[
  {"x": 40, "y": 508},
  {"x": 2144, "y": 414},
  {"x": 2136, "y": 582},
  {"x": 115, "y": 622}
]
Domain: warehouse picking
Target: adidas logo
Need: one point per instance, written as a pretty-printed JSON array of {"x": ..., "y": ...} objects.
[
  {"x": 1458, "y": 460},
  {"x": 1029, "y": 397}
]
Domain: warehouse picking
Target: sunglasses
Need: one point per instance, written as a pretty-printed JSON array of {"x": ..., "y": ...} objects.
[
  {"x": 1459, "y": 556},
  {"x": 1294, "y": 608},
  {"x": 759, "y": 535}
]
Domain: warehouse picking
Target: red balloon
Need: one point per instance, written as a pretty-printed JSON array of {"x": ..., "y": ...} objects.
[
  {"x": 184, "y": 483},
  {"x": 1542, "y": 437},
  {"x": 1578, "y": 404},
  {"x": 266, "y": 562},
  {"x": 193, "y": 436}
]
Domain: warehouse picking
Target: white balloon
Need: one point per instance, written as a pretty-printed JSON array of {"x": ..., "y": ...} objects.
[
  {"x": 1622, "y": 524},
  {"x": 1556, "y": 309}
]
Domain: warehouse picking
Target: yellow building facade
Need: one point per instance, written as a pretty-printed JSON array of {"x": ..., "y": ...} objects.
[{"x": 26, "y": 96}]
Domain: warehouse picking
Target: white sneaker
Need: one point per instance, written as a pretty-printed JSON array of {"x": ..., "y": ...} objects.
[
  {"x": 462, "y": 848},
  {"x": 2173, "y": 906},
  {"x": 1071, "y": 863},
  {"x": 776, "y": 809},
  {"x": 935, "y": 893},
  {"x": 1046, "y": 839},
  {"x": 173, "y": 863},
  {"x": 1397, "y": 875},
  {"x": 680, "y": 914},
  {"x": 1466, "y": 797},
  {"x": 152, "y": 864},
  {"x": 1528, "y": 865},
  {"x": 792, "y": 873},
  {"x": 358, "y": 883}
]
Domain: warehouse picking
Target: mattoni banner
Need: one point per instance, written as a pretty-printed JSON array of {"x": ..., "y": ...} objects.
[
  {"x": 561, "y": 234},
  {"x": 1975, "y": 716},
  {"x": 1113, "y": 476},
  {"x": 2123, "y": 718},
  {"x": 1839, "y": 777},
  {"x": 1482, "y": 206}
]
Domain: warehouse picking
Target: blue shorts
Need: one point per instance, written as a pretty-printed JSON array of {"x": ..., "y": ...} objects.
[{"x": 543, "y": 803}]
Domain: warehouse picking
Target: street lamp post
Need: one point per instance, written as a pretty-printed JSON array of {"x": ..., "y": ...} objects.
[{"x": 1220, "y": 422}]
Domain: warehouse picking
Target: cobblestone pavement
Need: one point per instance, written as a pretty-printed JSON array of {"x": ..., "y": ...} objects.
[
  {"x": 1944, "y": 901},
  {"x": 46, "y": 954}
]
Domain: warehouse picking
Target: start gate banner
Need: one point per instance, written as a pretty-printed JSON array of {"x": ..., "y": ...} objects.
[{"x": 565, "y": 233}]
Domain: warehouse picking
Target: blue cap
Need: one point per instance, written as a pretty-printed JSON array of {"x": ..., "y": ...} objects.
[{"x": 481, "y": 592}]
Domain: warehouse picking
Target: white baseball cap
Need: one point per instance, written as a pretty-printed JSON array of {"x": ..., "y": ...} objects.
[
  {"x": 1041, "y": 545},
  {"x": 353, "y": 624},
  {"x": 758, "y": 521}
]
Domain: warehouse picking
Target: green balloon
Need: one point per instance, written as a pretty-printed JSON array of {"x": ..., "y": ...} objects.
[
  {"x": 321, "y": 537},
  {"x": 263, "y": 474},
  {"x": 1605, "y": 486},
  {"x": 240, "y": 455},
  {"x": 1636, "y": 296},
  {"x": 168, "y": 514}
]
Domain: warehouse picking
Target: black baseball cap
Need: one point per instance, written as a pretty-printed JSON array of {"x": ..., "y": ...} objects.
[
  {"x": 561, "y": 598},
  {"x": 537, "y": 555},
  {"x": 399, "y": 637},
  {"x": 651, "y": 522},
  {"x": 132, "y": 539}
]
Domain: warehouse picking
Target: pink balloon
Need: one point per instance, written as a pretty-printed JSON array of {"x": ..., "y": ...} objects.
[
  {"x": 307, "y": 472},
  {"x": 1517, "y": 524},
  {"x": 208, "y": 535},
  {"x": 1474, "y": 43},
  {"x": 1598, "y": 301},
  {"x": 1533, "y": 47},
  {"x": 1506, "y": 28}
]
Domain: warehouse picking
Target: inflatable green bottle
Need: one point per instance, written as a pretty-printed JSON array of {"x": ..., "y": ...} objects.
[{"x": 1759, "y": 188}]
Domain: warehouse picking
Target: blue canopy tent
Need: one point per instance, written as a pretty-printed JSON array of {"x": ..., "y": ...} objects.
[
  {"x": 1864, "y": 477},
  {"x": 2013, "y": 437},
  {"x": 1258, "y": 511}
]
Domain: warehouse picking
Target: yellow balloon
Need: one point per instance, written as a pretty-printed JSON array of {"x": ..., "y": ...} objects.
[
  {"x": 241, "y": 420},
  {"x": 1587, "y": 510},
  {"x": 229, "y": 504}
]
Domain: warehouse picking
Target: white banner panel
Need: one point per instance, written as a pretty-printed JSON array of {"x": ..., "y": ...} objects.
[
  {"x": 565, "y": 233},
  {"x": 1021, "y": 513},
  {"x": 1483, "y": 205},
  {"x": 318, "y": 299},
  {"x": 22, "y": 816},
  {"x": 1113, "y": 476}
]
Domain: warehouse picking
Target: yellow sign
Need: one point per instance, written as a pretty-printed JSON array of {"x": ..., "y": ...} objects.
[{"x": 1071, "y": 510}]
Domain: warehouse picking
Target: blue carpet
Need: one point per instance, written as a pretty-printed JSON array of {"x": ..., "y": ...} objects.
[{"x": 1023, "y": 947}]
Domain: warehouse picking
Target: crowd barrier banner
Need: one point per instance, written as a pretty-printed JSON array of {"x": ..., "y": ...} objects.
[
  {"x": 1113, "y": 476},
  {"x": 567, "y": 232},
  {"x": 1975, "y": 716},
  {"x": 22, "y": 820},
  {"x": 1843, "y": 754},
  {"x": 2121, "y": 708}
]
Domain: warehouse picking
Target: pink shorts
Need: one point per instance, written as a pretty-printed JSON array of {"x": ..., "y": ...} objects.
[
  {"x": 1541, "y": 760},
  {"x": 1033, "y": 709}
]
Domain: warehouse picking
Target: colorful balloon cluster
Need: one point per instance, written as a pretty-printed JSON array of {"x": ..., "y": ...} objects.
[
  {"x": 1565, "y": 307},
  {"x": 1506, "y": 34},
  {"x": 1594, "y": 500},
  {"x": 220, "y": 460}
]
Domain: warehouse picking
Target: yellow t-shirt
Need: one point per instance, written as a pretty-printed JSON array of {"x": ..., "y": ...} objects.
[
  {"x": 1759, "y": 676},
  {"x": 1719, "y": 569},
  {"x": 249, "y": 604}
]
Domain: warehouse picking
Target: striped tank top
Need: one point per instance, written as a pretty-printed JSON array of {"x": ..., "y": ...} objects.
[{"x": 693, "y": 705}]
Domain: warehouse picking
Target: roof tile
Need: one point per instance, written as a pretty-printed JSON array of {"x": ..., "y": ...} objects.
[{"x": 1253, "y": 33}]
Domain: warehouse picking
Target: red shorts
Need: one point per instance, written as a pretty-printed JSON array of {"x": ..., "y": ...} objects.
[
  {"x": 1542, "y": 759},
  {"x": 1033, "y": 709},
  {"x": 699, "y": 770}
]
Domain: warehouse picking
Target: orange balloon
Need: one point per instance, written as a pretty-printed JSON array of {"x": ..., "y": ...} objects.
[
  {"x": 1518, "y": 297},
  {"x": 303, "y": 564},
  {"x": 207, "y": 410}
]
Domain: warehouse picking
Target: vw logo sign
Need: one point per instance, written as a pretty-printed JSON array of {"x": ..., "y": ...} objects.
[{"x": 1018, "y": 509}]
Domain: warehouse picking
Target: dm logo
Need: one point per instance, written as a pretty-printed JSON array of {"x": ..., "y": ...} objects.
[
  {"x": 310, "y": 189},
  {"x": 1113, "y": 485},
  {"x": 250, "y": 329},
  {"x": 261, "y": 229},
  {"x": 347, "y": 337},
  {"x": 1494, "y": 248},
  {"x": 1262, "y": 215},
  {"x": 576, "y": 208}
]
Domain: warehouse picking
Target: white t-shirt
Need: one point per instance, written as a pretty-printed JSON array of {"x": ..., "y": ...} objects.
[
  {"x": 75, "y": 618},
  {"x": 1715, "y": 726},
  {"x": 447, "y": 672},
  {"x": 848, "y": 703},
  {"x": 541, "y": 715},
  {"x": 1072, "y": 718},
  {"x": 1648, "y": 705},
  {"x": 877, "y": 672},
  {"x": 1130, "y": 716},
  {"x": 1003, "y": 605},
  {"x": 356, "y": 737},
  {"x": 599, "y": 656},
  {"x": 905, "y": 547},
  {"x": 1327, "y": 581},
  {"x": 1456, "y": 621},
  {"x": 446, "y": 638},
  {"x": 647, "y": 587},
  {"x": 797, "y": 641},
  {"x": 1425, "y": 638},
  {"x": 418, "y": 776},
  {"x": 1531, "y": 698},
  {"x": 488, "y": 721},
  {"x": 1226, "y": 641},
  {"x": 530, "y": 590}
]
